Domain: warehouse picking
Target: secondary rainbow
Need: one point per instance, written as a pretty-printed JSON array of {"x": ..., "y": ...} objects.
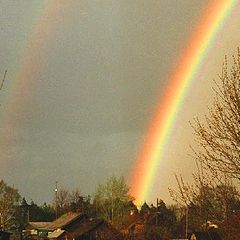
[
  {"x": 179, "y": 82},
  {"x": 20, "y": 85}
]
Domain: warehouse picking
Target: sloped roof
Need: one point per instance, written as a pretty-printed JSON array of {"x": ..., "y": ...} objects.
[
  {"x": 92, "y": 224},
  {"x": 86, "y": 227},
  {"x": 39, "y": 225},
  {"x": 131, "y": 220},
  {"x": 61, "y": 222},
  {"x": 66, "y": 219},
  {"x": 55, "y": 234}
]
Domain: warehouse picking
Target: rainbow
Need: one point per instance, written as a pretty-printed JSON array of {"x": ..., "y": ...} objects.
[
  {"x": 172, "y": 99},
  {"x": 20, "y": 85},
  {"x": 28, "y": 49},
  {"x": 32, "y": 58}
]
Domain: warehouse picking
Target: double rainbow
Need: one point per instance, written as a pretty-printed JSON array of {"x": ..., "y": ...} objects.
[
  {"x": 179, "y": 82},
  {"x": 171, "y": 101}
]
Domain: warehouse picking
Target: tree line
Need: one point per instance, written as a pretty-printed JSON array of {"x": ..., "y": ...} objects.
[{"x": 111, "y": 202}]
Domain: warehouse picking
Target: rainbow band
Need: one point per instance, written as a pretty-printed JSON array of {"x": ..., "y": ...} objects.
[
  {"x": 32, "y": 58},
  {"x": 178, "y": 84},
  {"x": 21, "y": 89}
]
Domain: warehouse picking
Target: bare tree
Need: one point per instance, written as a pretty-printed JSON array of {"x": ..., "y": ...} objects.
[
  {"x": 212, "y": 192},
  {"x": 63, "y": 201},
  {"x": 219, "y": 137},
  {"x": 78, "y": 202},
  {"x": 206, "y": 199},
  {"x": 9, "y": 200}
]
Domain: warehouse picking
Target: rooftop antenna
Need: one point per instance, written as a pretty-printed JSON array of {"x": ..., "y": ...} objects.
[
  {"x": 56, "y": 198},
  {"x": 4, "y": 77}
]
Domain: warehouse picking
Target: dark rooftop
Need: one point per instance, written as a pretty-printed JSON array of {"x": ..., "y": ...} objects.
[{"x": 61, "y": 222}]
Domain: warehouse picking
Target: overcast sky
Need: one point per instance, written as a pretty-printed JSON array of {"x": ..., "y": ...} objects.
[{"x": 94, "y": 88}]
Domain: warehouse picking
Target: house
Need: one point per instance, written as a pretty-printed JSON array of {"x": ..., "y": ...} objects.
[
  {"x": 73, "y": 226},
  {"x": 96, "y": 229},
  {"x": 133, "y": 226},
  {"x": 4, "y": 235},
  {"x": 207, "y": 235},
  {"x": 65, "y": 222},
  {"x": 231, "y": 225}
]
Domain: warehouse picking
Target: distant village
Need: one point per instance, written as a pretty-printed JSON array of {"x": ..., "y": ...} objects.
[{"x": 112, "y": 214}]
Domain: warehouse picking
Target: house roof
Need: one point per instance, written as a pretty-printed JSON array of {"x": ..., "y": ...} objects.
[
  {"x": 39, "y": 225},
  {"x": 86, "y": 227},
  {"x": 61, "y": 222},
  {"x": 55, "y": 234},
  {"x": 66, "y": 219},
  {"x": 132, "y": 220},
  {"x": 61, "y": 225},
  {"x": 91, "y": 225}
]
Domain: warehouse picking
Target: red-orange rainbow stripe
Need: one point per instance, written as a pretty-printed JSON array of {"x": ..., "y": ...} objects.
[{"x": 178, "y": 84}]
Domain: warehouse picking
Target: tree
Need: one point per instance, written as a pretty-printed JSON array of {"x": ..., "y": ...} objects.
[
  {"x": 9, "y": 200},
  {"x": 62, "y": 201},
  {"x": 80, "y": 203},
  {"x": 145, "y": 209},
  {"x": 66, "y": 201},
  {"x": 111, "y": 199},
  {"x": 212, "y": 195},
  {"x": 76, "y": 201},
  {"x": 219, "y": 137},
  {"x": 37, "y": 213},
  {"x": 165, "y": 216},
  {"x": 48, "y": 212},
  {"x": 160, "y": 221},
  {"x": 21, "y": 215},
  {"x": 206, "y": 199},
  {"x": 230, "y": 227}
]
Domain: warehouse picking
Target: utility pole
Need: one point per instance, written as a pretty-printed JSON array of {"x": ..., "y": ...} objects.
[
  {"x": 157, "y": 212},
  {"x": 186, "y": 233},
  {"x": 28, "y": 214},
  {"x": 56, "y": 198},
  {"x": 1, "y": 222},
  {"x": 112, "y": 204}
]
